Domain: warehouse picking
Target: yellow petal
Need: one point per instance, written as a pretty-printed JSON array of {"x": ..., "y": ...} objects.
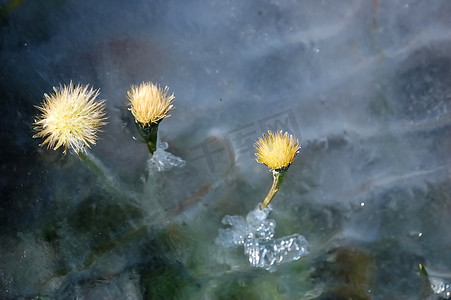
[
  {"x": 149, "y": 103},
  {"x": 70, "y": 117},
  {"x": 276, "y": 150}
]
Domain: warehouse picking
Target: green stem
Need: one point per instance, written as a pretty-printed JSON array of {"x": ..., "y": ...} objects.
[
  {"x": 278, "y": 177},
  {"x": 423, "y": 270},
  {"x": 96, "y": 166},
  {"x": 92, "y": 165},
  {"x": 149, "y": 133}
]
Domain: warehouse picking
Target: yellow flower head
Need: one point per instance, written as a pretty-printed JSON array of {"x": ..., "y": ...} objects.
[
  {"x": 276, "y": 150},
  {"x": 70, "y": 117},
  {"x": 149, "y": 103}
]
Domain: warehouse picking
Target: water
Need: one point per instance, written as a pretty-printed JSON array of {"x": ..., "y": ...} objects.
[{"x": 364, "y": 86}]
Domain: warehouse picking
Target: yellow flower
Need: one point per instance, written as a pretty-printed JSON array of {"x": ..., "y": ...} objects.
[
  {"x": 276, "y": 150},
  {"x": 70, "y": 117},
  {"x": 149, "y": 103}
]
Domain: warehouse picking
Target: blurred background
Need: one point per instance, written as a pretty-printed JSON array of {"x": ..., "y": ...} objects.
[{"x": 364, "y": 85}]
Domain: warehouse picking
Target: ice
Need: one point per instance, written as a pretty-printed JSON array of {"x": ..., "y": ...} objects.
[
  {"x": 440, "y": 282},
  {"x": 364, "y": 85},
  {"x": 234, "y": 236},
  {"x": 440, "y": 287},
  {"x": 241, "y": 231},
  {"x": 162, "y": 160},
  {"x": 257, "y": 216},
  {"x": 267, "y": 254},
  {"x": 256, "y": 234}
]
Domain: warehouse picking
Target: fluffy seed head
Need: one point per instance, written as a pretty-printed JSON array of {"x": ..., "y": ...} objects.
[
  {"x": 70, "y": 117},
  {"x": 276, "y": 150},
  {"x": 149, "y": 103}
]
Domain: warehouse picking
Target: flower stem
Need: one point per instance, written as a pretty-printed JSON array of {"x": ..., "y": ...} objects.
[
  {"x": 97, "y": 167},
  {"x": 278, "y": 177},
  {"x": 91, "y": 163},
  {"x": 149, "y": 133}
]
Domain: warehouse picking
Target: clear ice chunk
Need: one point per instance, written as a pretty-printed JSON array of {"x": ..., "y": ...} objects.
[
  {"x": 235, "y": 235},
  {"x": 162, "y": 160},
  {"x": 241, "y": 230},
  {"x": 256, "y": 216},
  {"x": 256, "y": 234},
  {"x": 266, "y": 254},
  {"x": 440, "y": 288},
  {"x": 265, "y": 230}
]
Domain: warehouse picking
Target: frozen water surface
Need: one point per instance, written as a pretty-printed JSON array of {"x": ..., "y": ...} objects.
[{"x": 364, "y": 85}]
